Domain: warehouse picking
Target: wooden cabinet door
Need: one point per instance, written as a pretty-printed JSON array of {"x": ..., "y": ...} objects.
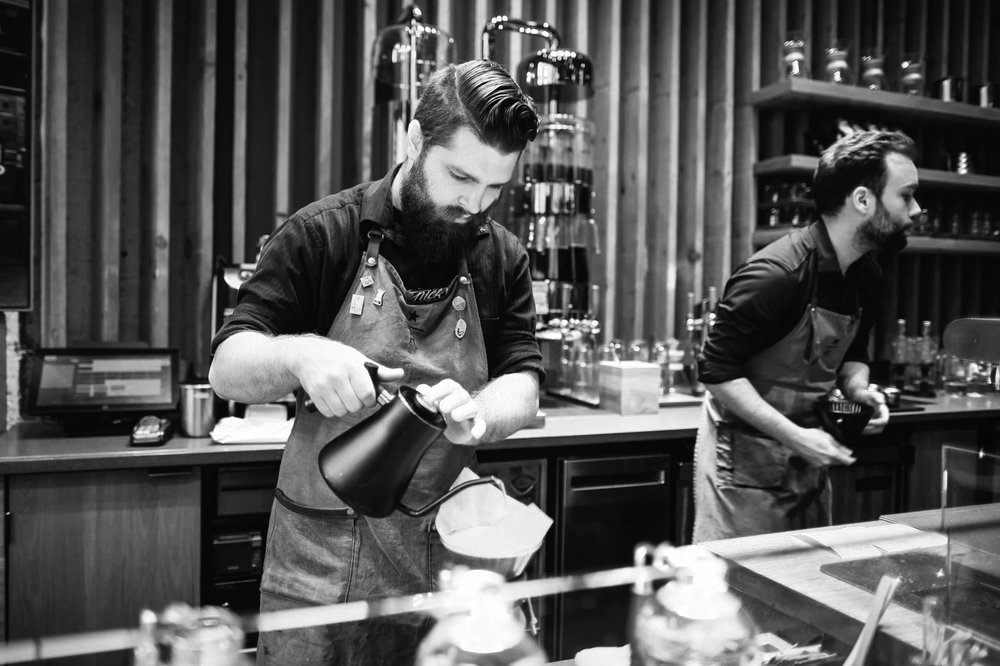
[{"x": 88, "y": 550}]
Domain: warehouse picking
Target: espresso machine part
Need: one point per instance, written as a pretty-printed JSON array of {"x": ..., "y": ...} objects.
[
  {"x": 403, "y": 56},
  {"x": 369, "y": 467}
]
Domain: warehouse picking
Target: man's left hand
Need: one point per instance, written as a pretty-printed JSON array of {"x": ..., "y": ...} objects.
[
  {"x": 876, "y": 399},
  {"x": 460, "y": 411}
]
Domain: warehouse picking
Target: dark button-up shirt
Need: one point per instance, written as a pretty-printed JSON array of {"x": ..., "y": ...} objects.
[
  {"x": 307, "y": 267},
  {"x": 766, "y": 297}
]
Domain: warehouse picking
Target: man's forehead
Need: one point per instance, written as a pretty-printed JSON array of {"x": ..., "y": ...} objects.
[
  {"x": 467, "y": 153},
  {"x": 901, "y": 170}
]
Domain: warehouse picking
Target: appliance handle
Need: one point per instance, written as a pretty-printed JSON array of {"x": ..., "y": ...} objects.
[{"x": 583, "y": 483}]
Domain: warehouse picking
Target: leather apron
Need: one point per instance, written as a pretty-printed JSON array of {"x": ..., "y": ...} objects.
[
  {"x": 747, "y": 483},
  {"x": 319, "y": 551}
]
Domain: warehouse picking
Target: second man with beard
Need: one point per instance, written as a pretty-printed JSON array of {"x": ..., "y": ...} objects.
[
  {"x": 411, "y": 273},
  {"x": 794, "y": 321}
]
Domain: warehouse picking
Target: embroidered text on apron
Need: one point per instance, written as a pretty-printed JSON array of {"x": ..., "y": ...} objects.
[
  {"x": 320, "y": 552},
  {"x": 747, "y": 483}
]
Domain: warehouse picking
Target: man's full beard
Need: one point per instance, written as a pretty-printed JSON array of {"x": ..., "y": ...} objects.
[
  {"x": 432, "y": 232},
  {"x": 886, "y": 233}
]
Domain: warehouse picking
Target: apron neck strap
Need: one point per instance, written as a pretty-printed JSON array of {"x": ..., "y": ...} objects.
[{"x": 374, "y": 243}]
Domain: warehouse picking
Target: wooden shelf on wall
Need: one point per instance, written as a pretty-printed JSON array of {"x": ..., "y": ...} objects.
[
  {"x": 806, "y": 164},
  {"x": 806, "y": 93},
  {"x": 916, "y": 244}
]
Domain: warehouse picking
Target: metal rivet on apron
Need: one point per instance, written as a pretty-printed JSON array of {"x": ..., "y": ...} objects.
[
  {"x": 370, "y": 261},
  {"x": 463, "y": 280},
  {"x": 378, "y": 297},
  {"x": 458, "y": 303},
  {"x": 460, "y": 329},
  {"x": 357, "y": 303},
  {"x": 367, "y": 281}
]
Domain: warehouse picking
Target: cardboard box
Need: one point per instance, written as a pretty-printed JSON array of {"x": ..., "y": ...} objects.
[{"x": 630, "y": 387}]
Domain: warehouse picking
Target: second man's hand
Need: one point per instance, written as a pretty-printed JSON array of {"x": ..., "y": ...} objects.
[
  {"x": 460, "y": 411},
  {"x": 818, "y": 447}
]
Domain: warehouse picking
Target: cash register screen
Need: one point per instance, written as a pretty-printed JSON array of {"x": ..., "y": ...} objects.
[{"x": 103, "y": 381}]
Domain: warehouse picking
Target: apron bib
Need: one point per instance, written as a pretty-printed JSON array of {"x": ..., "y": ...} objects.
[
  {"x": 318, "y": 550},
  {"x": 747, "y": 483}
]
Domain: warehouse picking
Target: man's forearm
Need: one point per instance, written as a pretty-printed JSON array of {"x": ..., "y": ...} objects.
[
  {"x": 739, "y": 397},
  {"x": 507, "y": 404},
  {"x": 251, "y": 367}
]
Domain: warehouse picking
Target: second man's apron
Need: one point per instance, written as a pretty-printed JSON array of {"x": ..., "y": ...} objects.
[
  {"x": 318, "y": 550},
  {"x": 747, "y": 483}
]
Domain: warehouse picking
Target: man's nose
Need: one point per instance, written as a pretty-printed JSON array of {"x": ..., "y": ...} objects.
[
  {"x": 475, "y": 201},
  {"x": 915, "y": 209}
]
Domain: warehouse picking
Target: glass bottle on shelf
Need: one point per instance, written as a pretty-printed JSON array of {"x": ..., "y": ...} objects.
[
  {"x": 873, "y": 70},
  {"x": 837, "y": 69},
  {"x": 928, "y": 360},
  {"x": 794, "y": 54},
  {"x": 900, "y": 355}
]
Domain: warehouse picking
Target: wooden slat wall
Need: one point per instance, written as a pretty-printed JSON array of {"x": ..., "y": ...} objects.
[{"x": 233, "y": 114}]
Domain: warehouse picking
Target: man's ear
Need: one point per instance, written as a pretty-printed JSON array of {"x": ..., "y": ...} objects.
[
  {"x": 414, "y": 139},
  {"x": 863, "y": 200}
]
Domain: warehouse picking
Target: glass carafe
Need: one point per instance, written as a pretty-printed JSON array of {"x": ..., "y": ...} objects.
[
  {"x": 693, "y": 620},
  {"x": 482, "y": 629}
]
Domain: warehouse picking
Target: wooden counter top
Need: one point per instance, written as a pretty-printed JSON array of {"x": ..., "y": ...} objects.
[
  {"x": 38, "y": 447},
  {"x": 783, "y": 572}
]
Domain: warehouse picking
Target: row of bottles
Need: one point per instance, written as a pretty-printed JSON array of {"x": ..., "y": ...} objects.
[
  {"x": 915, "y": 360},
  {"x": 921, "y": 367},
  {"x": 785, "y": 203},
  {"x": 958, "y": 216}
]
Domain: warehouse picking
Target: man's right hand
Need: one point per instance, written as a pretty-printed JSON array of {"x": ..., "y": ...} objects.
[
  {"x": 334, "y": 375},
  {"x": 818, "y": 447}
]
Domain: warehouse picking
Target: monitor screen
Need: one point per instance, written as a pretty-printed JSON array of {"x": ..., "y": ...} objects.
[{"x": 79, "y": 381}]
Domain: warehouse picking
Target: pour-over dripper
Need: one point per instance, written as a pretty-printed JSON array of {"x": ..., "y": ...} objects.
[
  {"x": 369, "y": 467},
  {"x": 843, "y": 418}
]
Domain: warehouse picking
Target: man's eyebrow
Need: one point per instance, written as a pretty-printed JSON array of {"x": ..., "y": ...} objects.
[{"x": 459, "y": 171}]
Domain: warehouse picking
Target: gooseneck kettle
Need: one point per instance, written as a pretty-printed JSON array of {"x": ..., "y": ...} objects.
[{"x": 369, "y": 467}]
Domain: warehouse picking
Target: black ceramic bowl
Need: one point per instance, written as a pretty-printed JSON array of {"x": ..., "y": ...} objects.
[{"x": 842, "y": 418}]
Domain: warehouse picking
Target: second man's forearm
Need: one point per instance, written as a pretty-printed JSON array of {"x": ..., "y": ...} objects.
[{"x": 741, "y": 398}]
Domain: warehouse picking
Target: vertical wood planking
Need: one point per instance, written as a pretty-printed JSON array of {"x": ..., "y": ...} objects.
[
  {"x": 108, "y": 170},
  {"x": 159, "y": 250},
  {"x": 364, "y": 122},
  {"x": 241, "y": 57},
  {"x": 607, "y": 60},
  {"x": 746, "y": 80},
  {"x": 721, "y": 26},
  {"x": 200, "y": 273},
  {"x": 330, "y": 100},
  {"x": 693, "y": 166},
  {"x": 634, "y": 168},
  {"x": 664, "y": 112},
  {"x": 54, "y": 166},
  {"x": 774, "y": 22},
  {"x": 283, "y": 116}
]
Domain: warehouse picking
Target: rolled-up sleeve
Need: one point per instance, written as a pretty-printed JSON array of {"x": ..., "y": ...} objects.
[{"x": 511, "y": 345}]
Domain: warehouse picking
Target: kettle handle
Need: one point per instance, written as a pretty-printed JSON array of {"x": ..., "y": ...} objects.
[
  {"x": 372, "y": 369},
  {"x": 414, "y": 513}
]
